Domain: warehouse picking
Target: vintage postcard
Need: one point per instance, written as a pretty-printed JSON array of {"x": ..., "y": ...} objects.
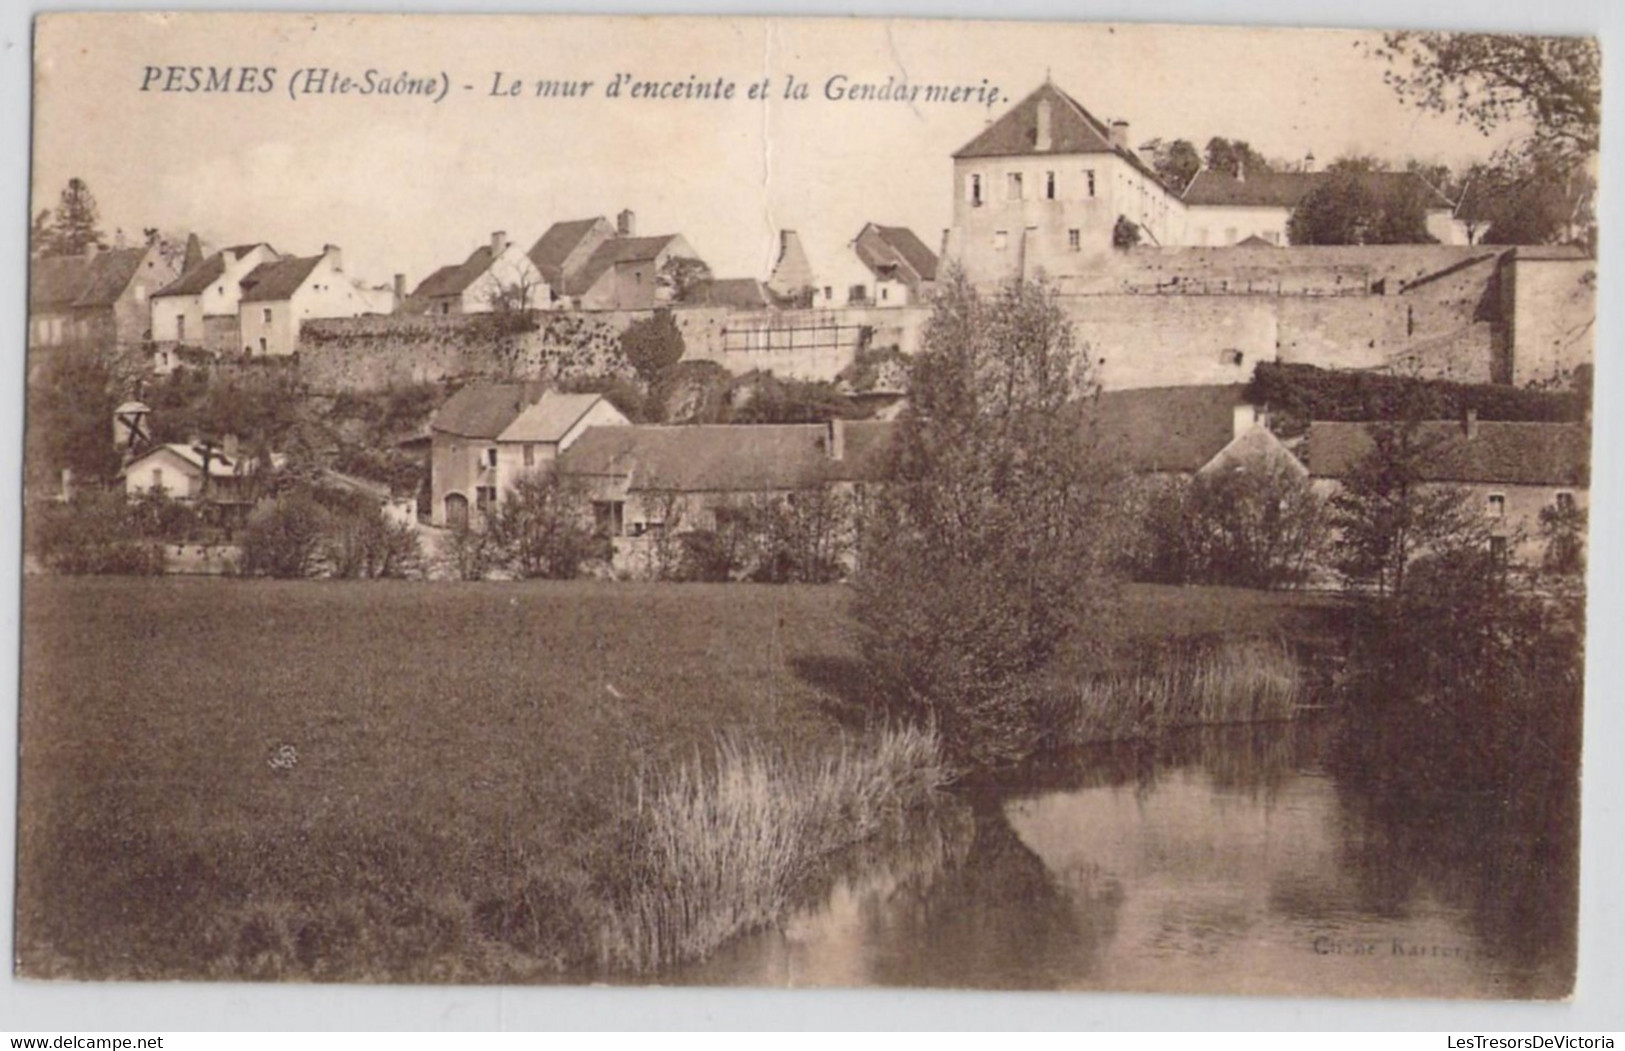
[{"x": 806, "y": 502}]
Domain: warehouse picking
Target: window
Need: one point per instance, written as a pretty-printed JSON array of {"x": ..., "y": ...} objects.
[
  {"x": 1497, "y": 505},
  {"x": 530, "y": 455},
  {"x": 266, "y": 315},
  {"x": 1498, "y": 551},
  {"x": 1012, "y": 185},
  {"x": 1565, "y": 502},
  {"x": 491, "y": 456},
  {"x": 445, "y": 308},
  {"x": 485, "y": 498},
  {"x": 1074, "y": 240},
  {"x": 1230, "y": 357},
  {"x": 1049, "y": 186},
  {"x": 180, "y": 328},
  {"x": 857, "y": 294},
  {"x": 1001, "y": 240},
  {"x": 973, "y": 190},
  {"x": 608, "y": 517},
  {"x": 884, "y": 292},
  {"x": 157, "y": 478},
  {"x": 263, "y": 345},
  {"x": 1089, "y": 179},
  {"x": 829, "y": 293}
]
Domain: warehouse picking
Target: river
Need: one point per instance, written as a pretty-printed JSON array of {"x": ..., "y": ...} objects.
[{"x": 1238, "y": 860}]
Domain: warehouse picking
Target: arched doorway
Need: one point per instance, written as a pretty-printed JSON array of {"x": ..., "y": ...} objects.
[{"x": 456, "y": 511}]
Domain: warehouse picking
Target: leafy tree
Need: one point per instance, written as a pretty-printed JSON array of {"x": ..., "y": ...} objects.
[
  {"x": 1349, "y": 207},
  {"x": 764, "y": 398},
  {"x": 1386, "y": 515},
  {"x": 981, "y": 555},
  {"x": 40, "y": 234},
  {"x": 1529, "y": 198},
  {"x": 683, "y": 276},
  {"x": 285, "y": 538},
  {"x": 95, "y": 532},
  {"x": 543, "y": 528},
  {"x": 1176, "y": 163},
  {"x": 1563, "y": 527},
  {"x": 71, "y": 398},
  {"x": 1258, "y": 527},
  {"x": 1232, "y": 156},
  {"x": 1489, "y": 79},
  {"x": 1125, "y": 233},
  {"x": 74, "y": 225},
  {"x": 653, "y": 344}
]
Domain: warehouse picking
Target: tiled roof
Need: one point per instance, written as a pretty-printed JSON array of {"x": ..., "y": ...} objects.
[
  {"x": 1256, "y": 445},
  {"x": 1176, "y": 429},
  {"x": 1269, "y": 189},
  {"x": 220, "y": 465},
  {"x": 615, "y": 251},
  {"x": 741, "y": 293},
  {"x": 550, "y": 419},
  {"x": 196, "y": 279},
  {"x": 484, "y": 410},
  {"x": 1073, "y": 129},
  {"x": 551, "y": 250},
  {"x": 453, "y": 280},
  {"x": 728, "y": 458},
  {"x": 1557, "y": 454},
  {"x": 898, "y": 243},
  {"x": 61, "y": 282},
  {"x": 277, "y": 280}
]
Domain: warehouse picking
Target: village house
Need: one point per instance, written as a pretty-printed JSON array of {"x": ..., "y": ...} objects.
[
  {"x": 489, "y": 435},
  {"x": 1511, "y": 471},
  {"x": 199, "y": 308},
  {"x": 565, "y": 248},
  {"x": 1179, "y": 431},
  {"x": 884, "y": 266},
  {"x": 646, "y": 480},
  {"x": 1221, "y": 209},
  {"x": 99, "y": 298},
  {"x": 176, "y": 470},
  {"x": 278, "y": 295},
  {"x": 496, "y": 276}
]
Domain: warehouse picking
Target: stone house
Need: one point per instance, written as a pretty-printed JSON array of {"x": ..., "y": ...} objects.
[
  {"x": 566, "y": 246},
  {"x": 199, "y": 308},
  {"x": 278, "y": 295},
  {"x": 99, "y": 298},
  {"x": 489, "y": 435},
  {"x": 1512, "y": 471},
  {"x": 177, "y": 471},
  {"x": 497, "y": 274}
]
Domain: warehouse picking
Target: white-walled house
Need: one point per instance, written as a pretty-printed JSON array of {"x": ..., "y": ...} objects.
[
  {"x": 176, "y": 471},
  {"x": 492, "y": 272},
  {"x": 277, "y": 296},
  {"x": 199, "y": 308}
]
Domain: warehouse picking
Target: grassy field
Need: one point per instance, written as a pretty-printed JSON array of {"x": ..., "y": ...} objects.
[{"x": 404, "y": 781}]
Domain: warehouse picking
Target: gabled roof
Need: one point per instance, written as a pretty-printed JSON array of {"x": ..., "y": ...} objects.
[
  {"x": 484, "y": 410},
  {"x": 1176, "y": 429},
  {"x": 220, "y": 465},
  {"x": 1271, "y": 189},
  {"x": 277, "y": 280},
  {"x": 550, "y": 419},
  {"x": 453, "y": 280},
  {"x": 62, "y": 282},
  {"x": 896, "y": 245},
  {"x": 1256, "y": 446},
  {"x": 740, "y": 293},
  {"x": 551, "y": 250},
  {"x": 614, "y": 252},
  {"x": 195, "y": 280},
  {"x": 1554, "y": 454},
  {"x": 723, "y": 458},
  {"x": 1073, "y": 129}
]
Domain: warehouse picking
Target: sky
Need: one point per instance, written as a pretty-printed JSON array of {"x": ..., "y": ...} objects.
[{"x": 404, "y": 184}]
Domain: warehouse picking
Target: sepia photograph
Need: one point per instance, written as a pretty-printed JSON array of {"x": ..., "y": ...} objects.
[{"x": 806, "y": 503}]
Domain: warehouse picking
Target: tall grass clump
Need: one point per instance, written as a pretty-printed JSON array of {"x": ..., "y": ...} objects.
[
  {"x": 1191, "y": 684},
  {"x": 724, "y": 845}
]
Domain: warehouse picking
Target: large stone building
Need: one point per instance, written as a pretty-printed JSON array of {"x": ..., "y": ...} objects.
[{"x": 96, "y": 299}]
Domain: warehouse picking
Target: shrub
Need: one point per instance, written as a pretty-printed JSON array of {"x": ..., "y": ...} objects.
[
  {"x": 94, "y": 533},
  {"x": 285, "y": 538},
  {"x": 653, "y": 344},
  {"x": 542, "y": 528}
]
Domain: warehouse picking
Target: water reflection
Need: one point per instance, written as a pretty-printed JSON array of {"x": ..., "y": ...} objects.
[{"x": 1218, "y": 861}]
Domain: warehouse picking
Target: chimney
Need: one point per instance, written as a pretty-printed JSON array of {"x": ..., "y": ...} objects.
[
  {"x": 1245, "y": 418},
  {"x": 1043, "y": 140},
  {"x": 1469, "y": 423},
  {"x": 334, "y": 256},
  {"x": 499, "y": 242},
  {"x": 400, "y": 290},
  {"x": 626, "y": 223},
  {"x": 1120, "y": 134},
  {"x": 1148, "y": 155},
  {"x": 836, "y": 443},
  {"x": 1309, "y": 161}
]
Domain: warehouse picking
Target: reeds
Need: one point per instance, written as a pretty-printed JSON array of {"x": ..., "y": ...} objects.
[
  {"x": 1231, "y": 681},
  {"x": 720, "y": 847}
]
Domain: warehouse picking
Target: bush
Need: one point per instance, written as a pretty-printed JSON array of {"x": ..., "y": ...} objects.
[
  {"x": 542, "y": 528},
  {"x": 94, "y": 533},
  {"x": 286, "y": 538},
  {"x": 653, "y": 344}
]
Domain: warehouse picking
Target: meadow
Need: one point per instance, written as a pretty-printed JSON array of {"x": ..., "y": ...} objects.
[{"x": 442, "y": 782}]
